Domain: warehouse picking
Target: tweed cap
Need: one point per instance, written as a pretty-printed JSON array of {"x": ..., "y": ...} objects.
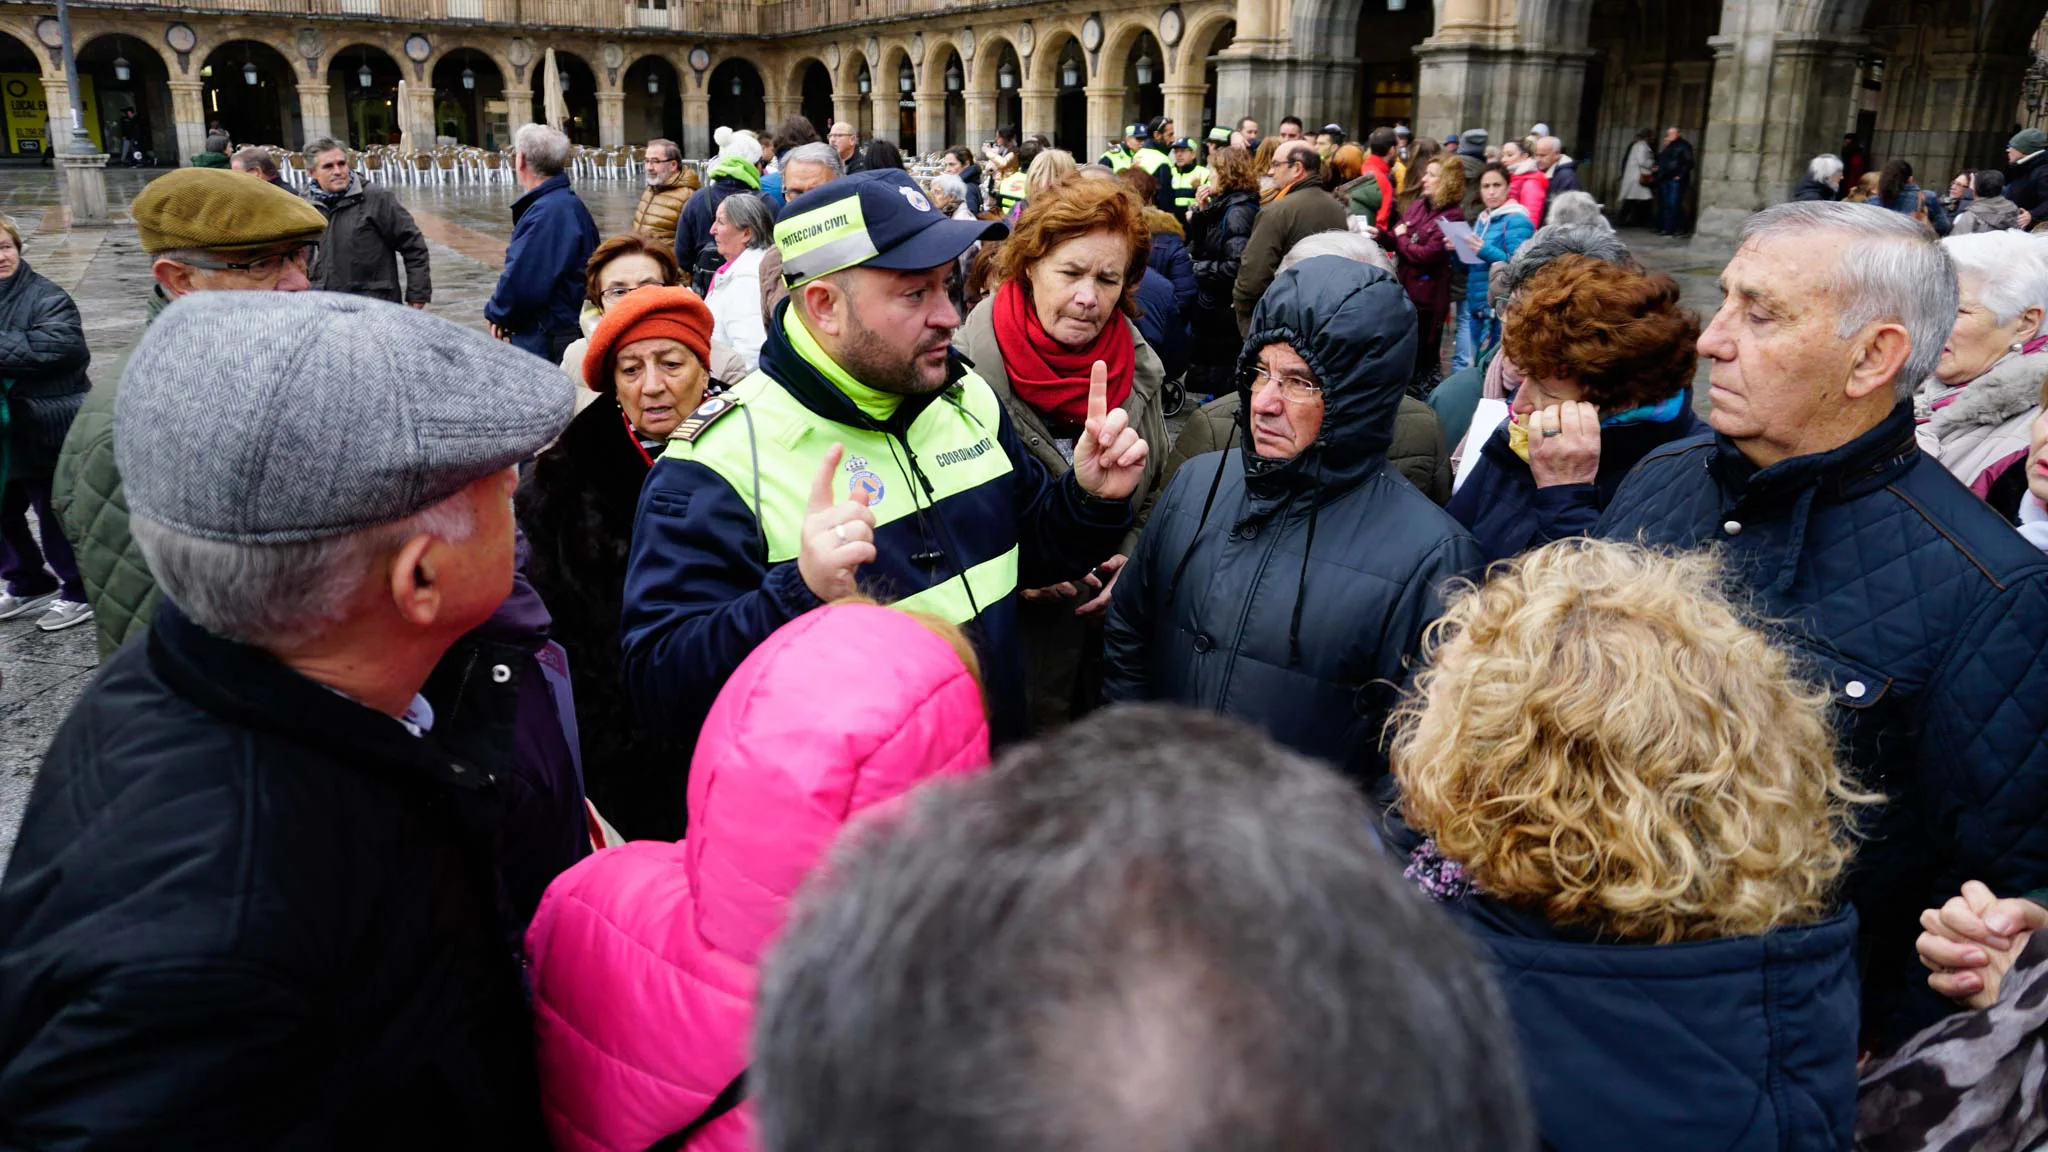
[
  {"x": 221, "y": 211},
  {"x": 278, "y": 417}
]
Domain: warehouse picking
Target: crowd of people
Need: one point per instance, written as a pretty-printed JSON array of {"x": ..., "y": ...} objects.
[{"x": 786, "y": 683}]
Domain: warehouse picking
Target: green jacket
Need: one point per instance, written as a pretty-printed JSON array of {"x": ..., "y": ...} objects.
[
  {"x": 1417, "y": 451},
  {"x": 1303, "y": 211},
  {"x": 211, "y": 160},
  {"x": 88, "y": 499}
]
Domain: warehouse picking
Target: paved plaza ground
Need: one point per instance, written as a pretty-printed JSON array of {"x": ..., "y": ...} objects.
[{"x": 106, "y": 272}]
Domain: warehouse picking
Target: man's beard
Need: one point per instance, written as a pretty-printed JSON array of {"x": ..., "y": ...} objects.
[{"x": 870, "y": 360}]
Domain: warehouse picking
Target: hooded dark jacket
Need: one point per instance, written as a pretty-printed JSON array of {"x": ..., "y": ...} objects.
[
  {"x": 539, "y": 296},
  {"x": 1290, "y": 593},
  {"x": 43, "y": 358},
  {"x": 1926, "y": 615},
  {"x": 366, "y": 228},
  {"x": 246, "y": 911},
  {"x": 1986, "y": 214},
  {"x": 1217, "y": 235},
  {"x": 2026, "y": 184}
]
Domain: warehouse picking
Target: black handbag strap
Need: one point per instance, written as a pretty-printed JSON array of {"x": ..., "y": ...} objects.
[{"x": 728, "y": 1099}]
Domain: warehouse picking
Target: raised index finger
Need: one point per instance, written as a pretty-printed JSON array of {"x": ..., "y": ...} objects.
[
  {"x": 1098, "y": 393},
  {"x": 821, "y": 486}
]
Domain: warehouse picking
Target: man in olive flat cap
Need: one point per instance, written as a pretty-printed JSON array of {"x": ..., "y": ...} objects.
[{"x": 209, "y": 230}]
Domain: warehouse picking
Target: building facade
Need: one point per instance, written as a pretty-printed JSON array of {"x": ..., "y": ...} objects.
[{"x": 1759, "y": 86}]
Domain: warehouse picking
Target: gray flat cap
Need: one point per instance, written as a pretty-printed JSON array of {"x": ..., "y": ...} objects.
[{"x": 276, "y": 417}]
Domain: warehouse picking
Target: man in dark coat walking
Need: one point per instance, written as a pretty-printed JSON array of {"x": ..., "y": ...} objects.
[
  {"x": 1912, "y": 601},
  {"x": 271, "y": 882},
  {"x": 1286, "y": 581},
  {"x": 368, "y": 233},
  {"x": 538, "y": 302},
  {"x": 1674, "y": 173}
]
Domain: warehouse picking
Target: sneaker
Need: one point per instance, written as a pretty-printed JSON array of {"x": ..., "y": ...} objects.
[
  {"x": 65, "y": 614},
  {"x": 12, "y": 605}
]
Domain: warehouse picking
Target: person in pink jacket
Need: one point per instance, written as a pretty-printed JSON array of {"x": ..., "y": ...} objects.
[
  {"x": 645, "y": 957},
  {"x": 1528, "y": 184}
]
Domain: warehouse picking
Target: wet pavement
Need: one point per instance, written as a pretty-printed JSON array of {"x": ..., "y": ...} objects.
[{"x": 106, "y": 271}]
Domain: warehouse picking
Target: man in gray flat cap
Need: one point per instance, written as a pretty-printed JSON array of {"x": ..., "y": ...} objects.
[{"x": 263, "y": 895}]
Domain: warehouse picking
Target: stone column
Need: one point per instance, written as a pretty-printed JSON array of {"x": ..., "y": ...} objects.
[
  {"x": 188, "y": 110},
  {"x": 696, "y": 122},
  {"x": 981, "y": 119},
  {"x": 1184, "y": 107},
  {"x": 781, "y": 108},
  {"x": 611, "y": 118},
  {"x": 845, "y": 106},
  {"x": 315, "y": 116},
  {"x": 931, "y": 121},
  {"x": 1105, "y": 119},
  {"x": 518, "y": 112},
  {"x": 1040, "y": 108}
]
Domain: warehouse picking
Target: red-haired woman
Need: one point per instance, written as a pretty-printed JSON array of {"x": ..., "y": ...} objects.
[
  {"x": 1067, "y": 296},
  {"x": 1607, "y": 360}
]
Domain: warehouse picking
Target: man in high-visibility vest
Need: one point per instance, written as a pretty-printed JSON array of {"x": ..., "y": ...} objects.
[
  {"x": 863, "y": 455},
  {"x": 1187, "y": 177},
  {"x": 1137, "y": 151},
  {"x": 1016, "y": 184}
]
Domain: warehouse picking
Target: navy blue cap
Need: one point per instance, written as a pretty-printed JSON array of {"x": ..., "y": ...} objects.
[
  {"x": 1141, "y": 131},
  {"x": 877, "y": 219}
]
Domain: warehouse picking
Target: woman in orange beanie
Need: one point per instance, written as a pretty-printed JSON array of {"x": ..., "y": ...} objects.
[{"x": 647, "y": 363}]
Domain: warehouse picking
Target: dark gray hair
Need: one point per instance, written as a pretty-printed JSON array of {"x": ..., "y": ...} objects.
[
  {"x": 667, "y": 148},
  {"x": 1159, "y": 929},
  {"x": 320, "y": 146},
  {"x": 1551, "y": 242},
  {"x": 546, "y": 149},
  {"x": 278, "y": 595},
  {"x": 749, "y": 211},
  {"x": 1894, "y": 271}
]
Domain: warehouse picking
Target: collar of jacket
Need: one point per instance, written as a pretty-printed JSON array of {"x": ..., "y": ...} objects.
[
  {"x": 559, "y": 181},
  {"x": 793, "y": 358},
  {"x": 18, "y": 283},
  {"x": 249, "y": 687},
  {"x": 1857, "y": 468}
]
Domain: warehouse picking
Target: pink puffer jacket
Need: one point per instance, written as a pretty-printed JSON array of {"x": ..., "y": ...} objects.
[{"x": 644, "y": 956}]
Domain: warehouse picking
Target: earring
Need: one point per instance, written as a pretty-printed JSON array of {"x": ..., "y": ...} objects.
[{"x": 2018, "y": 344}]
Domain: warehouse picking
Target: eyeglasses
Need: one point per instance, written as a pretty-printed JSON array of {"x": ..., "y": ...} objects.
[
  {"x": 263, "y": 268},
  {"x": 618, "y": 292},
  {"x": 653, "y": 161},
  {"x": 1294, "y": 389}
]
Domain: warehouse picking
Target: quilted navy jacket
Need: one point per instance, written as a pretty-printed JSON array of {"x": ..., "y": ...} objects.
[
  {"x": 1745, "y": 1044},
  {"x": 1927, "y": 616}
]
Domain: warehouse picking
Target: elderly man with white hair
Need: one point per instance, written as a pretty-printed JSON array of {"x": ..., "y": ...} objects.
[
  {"x": 1913, "y": 602},
  {"x": 1823, "y": 179},
  {"x": 268, "y": 882},
  {"x": 1418, "y": 448},
  {"x": 1562, "y": 169}
]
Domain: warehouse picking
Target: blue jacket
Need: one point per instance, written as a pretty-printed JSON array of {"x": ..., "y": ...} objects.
[
  {"x": 1744, "y": 1044},
  {"x": 693, "y": 227},
  {"x": 1927, "y": 616},
  {"x": 540, "y": 292},
  {"x": 1170, "y": 258},
  {"x": 1163, "y": 323},
  {"x": 1911, "y": 197},
  {"x": 700, "y": 594},
  {"x": 1505, "y": 231},
  {"x": 1508, "y": 514}
]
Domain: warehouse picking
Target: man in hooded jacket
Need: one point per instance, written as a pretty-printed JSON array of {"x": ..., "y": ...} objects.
[{"x": 1286, "y": 580}]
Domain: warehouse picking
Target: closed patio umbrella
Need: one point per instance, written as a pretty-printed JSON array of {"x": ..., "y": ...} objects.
[{"x": 551, "y": 85}]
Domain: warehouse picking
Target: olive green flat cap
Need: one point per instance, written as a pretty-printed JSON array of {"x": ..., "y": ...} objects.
[{"x": 221, "y": 211}]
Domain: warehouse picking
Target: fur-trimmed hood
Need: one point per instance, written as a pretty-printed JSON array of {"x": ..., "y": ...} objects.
[{"x": 2009, "y": 388}]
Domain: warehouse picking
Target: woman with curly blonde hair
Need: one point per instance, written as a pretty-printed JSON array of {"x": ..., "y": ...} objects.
[{"x": 1628, "y": 793}]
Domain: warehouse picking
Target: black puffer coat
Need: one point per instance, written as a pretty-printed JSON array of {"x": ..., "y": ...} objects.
[
  {"x": 1291, "y": 593},
  {"x": 1217, "y": 236},
  {"x": 43, "y": 355}
]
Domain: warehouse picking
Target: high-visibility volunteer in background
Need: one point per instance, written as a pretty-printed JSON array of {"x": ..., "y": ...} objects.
[
  {"x": 1187, "y": 177},
  {"x": 864, "y": 455}
]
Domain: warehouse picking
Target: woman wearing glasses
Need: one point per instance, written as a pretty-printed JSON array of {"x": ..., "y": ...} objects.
[
  {"x": 1284, "y": 580},
  {"x": 645, "y": 372},
  {"x": 621, "y": 265}
]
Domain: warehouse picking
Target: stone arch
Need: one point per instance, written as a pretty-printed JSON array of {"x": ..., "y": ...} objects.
[
  {"x": 261, "y": 89},
  {"x": 1330, "y": 27},
  {"x": 492, "y": 50},
  {"x": 466, "y": 82},
  {"x": 580, "y": 98},
  {"x": 147, "y": 90},
  {"x": 888, "y": 78},
  {"x": 896, "y": 109},
  {"x": 24, "y": 34},
  {"x": 1052, "y": 45},
  {"x": 1554, "y": 24},
  {"x": 792, "y": 74},
  {"x": 363, "y": 114},
  {"x": 1122, "y": 33},
  {"x": 652, "y": 104},
  {"x": 989, "y": 52},
  {"x": 738, "y": 94},
  {"x": 1204, "y": 29}
]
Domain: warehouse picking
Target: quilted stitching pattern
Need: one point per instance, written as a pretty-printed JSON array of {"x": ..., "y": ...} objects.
[
  {"x": 94, "y": 509},
  {"x": 1929, "y": 615}
]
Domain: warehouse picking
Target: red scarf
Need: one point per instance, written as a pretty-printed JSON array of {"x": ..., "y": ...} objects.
[{"x": 1047, "y": 376}]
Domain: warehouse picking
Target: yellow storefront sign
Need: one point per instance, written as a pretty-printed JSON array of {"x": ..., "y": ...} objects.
[{"x": 27, "y": 112}]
